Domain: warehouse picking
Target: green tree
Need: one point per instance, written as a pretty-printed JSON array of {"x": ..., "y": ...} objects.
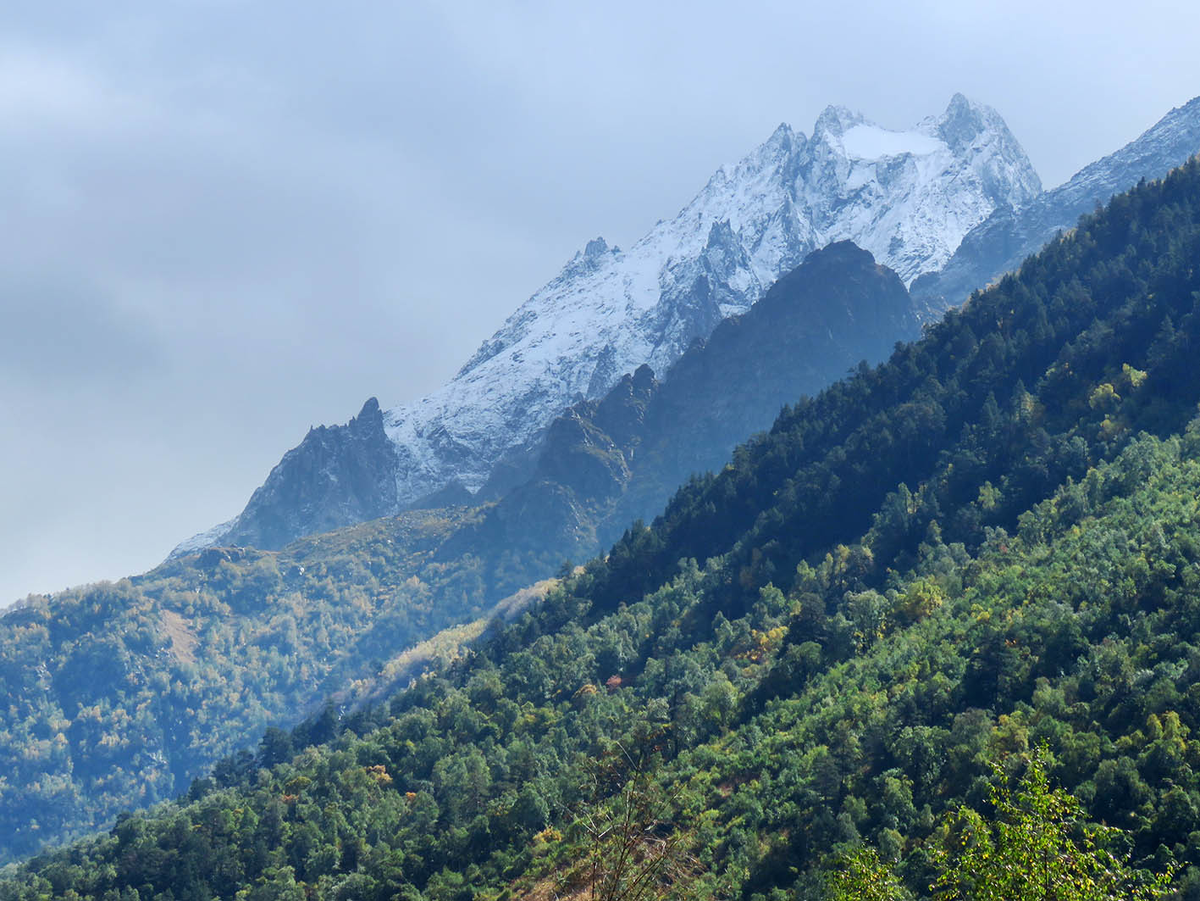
[
  {"x": 1037, "y": 848},
  {"x": 861, "y": 876}
]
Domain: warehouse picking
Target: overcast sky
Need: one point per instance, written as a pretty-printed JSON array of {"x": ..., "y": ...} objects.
[{"x": 222, "y": 222}]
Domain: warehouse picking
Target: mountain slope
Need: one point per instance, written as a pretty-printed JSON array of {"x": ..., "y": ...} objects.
[
  {"x": 907, "y": 197},
  {"x": 192, "y": 660},
  {"x": 209, "y": 649},
  {"x": 118, "y": 695},
  {"x": 608, "y": 462},
  {"x": 1021, "y": 569},
  {"x": 1010, "y": 234}
]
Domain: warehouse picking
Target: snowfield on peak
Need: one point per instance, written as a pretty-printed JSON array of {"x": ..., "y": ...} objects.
[
  {"x": 870, "y": 142},
  {"x": 908, "y": 197}
]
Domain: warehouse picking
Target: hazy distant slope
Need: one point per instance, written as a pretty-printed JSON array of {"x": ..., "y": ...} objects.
[{"x": 1011, "y": 233}]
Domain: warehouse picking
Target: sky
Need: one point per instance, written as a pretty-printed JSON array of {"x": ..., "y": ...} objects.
[{"x": 224, "y": 222}]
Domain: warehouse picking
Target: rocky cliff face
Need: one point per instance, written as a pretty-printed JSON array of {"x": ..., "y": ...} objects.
[
  {"x": 908, "y": 197},
  {"x": 336, "y": 476},
  {"x": 609, "y": 461},
  {"x": 1011, "y": 233}
]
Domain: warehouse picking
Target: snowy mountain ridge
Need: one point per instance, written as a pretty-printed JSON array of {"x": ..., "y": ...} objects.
[
  {"x": 1002, "y": 241},
  {"x": 908, "y": 197}
]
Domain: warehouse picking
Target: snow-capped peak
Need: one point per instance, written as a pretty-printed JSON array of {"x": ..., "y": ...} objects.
[{"x": 906, "y": 196}]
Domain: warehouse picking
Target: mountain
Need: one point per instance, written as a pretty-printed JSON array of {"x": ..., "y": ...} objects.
[
  {"x": 607, "y": 462},
  {"x": 338, "y": 475},
  {"x": 987, "y": 545},
  {"x": 210, "y": 649},
  {"x": 907, "y": 197},
  {"x": 191, "y": 661},
  {"x": 1012, "y": 232}
]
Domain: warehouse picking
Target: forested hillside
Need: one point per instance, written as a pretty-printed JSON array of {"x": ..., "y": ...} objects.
[
  {"x": 989, "y": 543},
  {"x": 119, "y": 695}
]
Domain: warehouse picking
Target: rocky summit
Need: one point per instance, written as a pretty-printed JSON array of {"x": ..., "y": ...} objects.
[
  {"x": 907, "y": 197},
  {"x": 1010, "y": 234}
]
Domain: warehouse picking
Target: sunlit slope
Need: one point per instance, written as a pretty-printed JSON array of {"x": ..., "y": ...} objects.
[{"x": 923, "y": 571}]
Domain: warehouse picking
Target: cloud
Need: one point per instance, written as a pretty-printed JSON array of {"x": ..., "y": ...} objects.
[
  {"x": 226, "y": 221},
  {"x": 56, "y": 334}
]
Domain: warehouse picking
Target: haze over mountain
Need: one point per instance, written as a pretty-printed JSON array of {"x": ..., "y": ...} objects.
[
  {"x": 609, "y": 459},
  {"x": 837, "y": 537},
  {"x": 907, "y": 197},
  {"x": 202, "y": 202}
]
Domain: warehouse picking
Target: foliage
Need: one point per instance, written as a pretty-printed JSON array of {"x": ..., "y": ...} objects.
[
  {"x": 860, "y": 875},
  {"x": 934, "y": 566},
  {"x": 118, "y": 695},
  {"x": 465, "y": 777},
  {"x": 1038, "y": 848},
  {"x": 632, "y": 854}
]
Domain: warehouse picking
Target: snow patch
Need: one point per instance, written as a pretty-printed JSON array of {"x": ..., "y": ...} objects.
[
  {"x": 202, "y": 540},
  {"x": 870, "y": 142}
]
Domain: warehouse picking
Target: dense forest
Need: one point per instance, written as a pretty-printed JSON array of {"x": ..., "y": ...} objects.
[
  {"x": 976, "y": 564},
  {"x": 120, "y": 694}
]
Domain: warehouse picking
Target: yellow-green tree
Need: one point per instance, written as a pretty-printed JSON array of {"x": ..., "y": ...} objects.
[
  {"x": 1037, "y": 847},
  {"x": 862, "y": 876}
]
